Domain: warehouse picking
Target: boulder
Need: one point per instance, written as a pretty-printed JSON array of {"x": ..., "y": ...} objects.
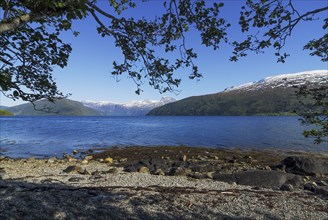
[
  {"x": 304, "y": 165},
  {"x": 261, "y": 178}
]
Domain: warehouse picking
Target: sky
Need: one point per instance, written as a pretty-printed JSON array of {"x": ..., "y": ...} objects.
[{"x": 87, "y": 76}]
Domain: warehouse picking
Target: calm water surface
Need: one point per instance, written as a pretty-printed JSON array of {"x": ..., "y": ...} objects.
[{"x": 53, "y": 136}]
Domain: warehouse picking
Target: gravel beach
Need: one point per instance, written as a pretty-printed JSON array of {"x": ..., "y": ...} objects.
[{"x": 96, "y": 187}]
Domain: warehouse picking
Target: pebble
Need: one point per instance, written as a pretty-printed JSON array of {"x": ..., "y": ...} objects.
[
  {"x": 160, "y": 172},
  {"x": 143, "y": 170},
  {"x": 71, "y": 159},
  {"x": 52, "y": 160},
  {"x": 73, "y": 169},
  {"x": 123, "y": 160},
  {"x": 108, "y": 160},
  {"x": 183, "y": 158},
  {"x": 2, "y": 173},
  {"x": 84, "y": 161},
  {"x": 75, "y": 179},
  {"x": 88, "y": 158},
  {"x": 113, "y": 170},
  {"x": 177, "y": 171}
]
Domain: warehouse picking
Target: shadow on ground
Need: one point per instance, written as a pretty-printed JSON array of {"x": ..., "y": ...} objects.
[{"x": 21, "y": 200}]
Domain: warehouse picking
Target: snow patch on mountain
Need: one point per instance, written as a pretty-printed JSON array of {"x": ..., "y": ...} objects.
[
  {"x": 319, "y": 77},
  {"x": 133, "y": 108}
]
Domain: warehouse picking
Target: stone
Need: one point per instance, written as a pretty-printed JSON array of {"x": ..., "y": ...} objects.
[
  {"x": 306, "y": 165},
  {"x": 279, "y": 167},
  {"x": 113, "y": 170},
  {"x": 159, "y": 172},
  {"x": 143, "y": 170},
  {"x": 73, "y": 169},
  {"x": 322, "y": 183},
  {"x": 321, "y": 190},
  {"x": 71, "y": 159},
  {"x": 183, "y": 158},
  {"x": 287, "y": 187},
  {"x": 84, "y": 161},
  {"x": 197, "y": 175},
  {"x": 108, "y": 160},
  {"x": 267, "y": 167},
  {"x": 52, "y": 160},
  {"x": 94, "y": 173},
  {"x": 75, "y": 152},
  {"x": 123, "y": 160},
  {"x": 310, "y": 186},
  {"x": 260, "y": 178},
  {"x": 209, "y": 175},
  {"x": 85, "y": 172},
  {"x": 232, "y": 161},
  {"x": 177, "y": 171},
  {"x": 75, "y": 179},
  {"x": 2, "y": 173},
  {"x": 88, "y": 158}
]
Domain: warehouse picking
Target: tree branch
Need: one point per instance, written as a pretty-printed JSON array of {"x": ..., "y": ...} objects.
[{"x": 15, "y": 23}]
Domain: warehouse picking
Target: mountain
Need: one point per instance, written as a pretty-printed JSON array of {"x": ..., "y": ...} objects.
[
  {"x": 5, "y": 113},
  {"x": 133, "y": 108},
  {"x": 59, "y": 107},
  {"x": 3, "y": 107},
  {"x": 273, "y": 95}
]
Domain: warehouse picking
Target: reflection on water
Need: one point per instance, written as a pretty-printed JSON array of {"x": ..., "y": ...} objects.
[{"x": 53, "y": 136}]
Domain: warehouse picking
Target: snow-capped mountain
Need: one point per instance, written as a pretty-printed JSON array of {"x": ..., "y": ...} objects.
[
  {"x": 133, "y": 108},
  {"x": 273, "y": 95},
  {"x": 317, "y": 77}
]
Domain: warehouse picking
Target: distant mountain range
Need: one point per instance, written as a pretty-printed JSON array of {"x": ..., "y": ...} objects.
[
  {"x": 270, "y": 96},
  {"x": 87, "y": 108},
  {"x": 133, "y": 108},
  {"x": 273, "y": 95},
  {"x": 60, "y": 107}
]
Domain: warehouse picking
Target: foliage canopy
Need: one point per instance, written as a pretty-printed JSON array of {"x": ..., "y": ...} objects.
[
  {"x": 30, "y": 44},
  {"x": 314, "y": 110}
]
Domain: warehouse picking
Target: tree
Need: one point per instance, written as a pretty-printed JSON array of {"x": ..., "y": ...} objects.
[
  {"x": 315, "y": 111},
  {"x": 30, "y": 44}
]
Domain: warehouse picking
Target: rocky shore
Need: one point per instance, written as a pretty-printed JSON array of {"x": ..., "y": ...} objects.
[{"x": 166, "y": 183}]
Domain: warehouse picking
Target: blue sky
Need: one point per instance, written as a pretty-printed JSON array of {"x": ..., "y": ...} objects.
[{"x": 87, "y": 76}]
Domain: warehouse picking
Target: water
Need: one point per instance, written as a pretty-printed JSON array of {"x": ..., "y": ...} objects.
[{"x": 53, "y": 136}]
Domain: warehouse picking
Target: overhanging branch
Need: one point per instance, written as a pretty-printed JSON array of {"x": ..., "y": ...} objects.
[{"x": 15, "y": 23}]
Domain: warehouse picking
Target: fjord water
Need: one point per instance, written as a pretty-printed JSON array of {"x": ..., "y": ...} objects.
[{"x": 53, "y": 136}]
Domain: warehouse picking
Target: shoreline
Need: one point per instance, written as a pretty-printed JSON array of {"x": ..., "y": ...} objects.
[
  {"x": 103, "y": 149},
  {"x": 164, "y": 183}
]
